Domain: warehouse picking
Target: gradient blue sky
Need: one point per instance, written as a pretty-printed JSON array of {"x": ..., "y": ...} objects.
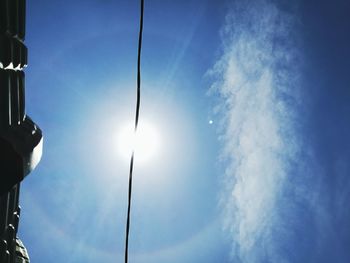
[{"x": 268, "y": 181}]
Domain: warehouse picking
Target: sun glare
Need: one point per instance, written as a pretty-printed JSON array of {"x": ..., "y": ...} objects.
[{"x": 145, "y": 142}]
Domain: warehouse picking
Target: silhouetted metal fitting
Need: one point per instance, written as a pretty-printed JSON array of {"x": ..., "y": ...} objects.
[
  {"x": 17, "y": 97},
  {"x": 17, "y": 197},
  {"x": 3, "y": 248},
  {"x": 12, "y": 249},
  {"x": 20, "y": 152},
  {"x": 15, "y": 220},
  {"x": 14, "y": 99},
  {"x": 19, "y": 210},
  {"x": 4, "y": 16},
  {"x": 11, "y": 235},
  {"x": 6, "y": 49},
  {"x": 5, "y": 87},
  {"x": 12, "y": 103},
  {"x": 21, "y": 251},
  {"x": 19, "y": 243},
  {"x": 21, "y": 19},
  {"x": 4, "y": 205},
  {"x": 12, "y": 18},
  {"x": 13, "y": 53},
  {"x": 7, "y": 257},
  {"x": 23, "y": 56},
  {"x": 12, "y": 205}
]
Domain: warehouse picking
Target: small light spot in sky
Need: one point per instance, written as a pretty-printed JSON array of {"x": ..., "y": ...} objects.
[{"x": 211, "y": 122}]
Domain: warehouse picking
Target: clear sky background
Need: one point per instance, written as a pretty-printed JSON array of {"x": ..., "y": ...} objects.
[{"x": 266, "y": 181}]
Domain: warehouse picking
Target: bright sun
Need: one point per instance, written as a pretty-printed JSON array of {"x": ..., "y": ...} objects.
[{"x": 145, "y": 142}]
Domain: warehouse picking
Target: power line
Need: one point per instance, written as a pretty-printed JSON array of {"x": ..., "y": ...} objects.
[{"x": 138, "y": 100}]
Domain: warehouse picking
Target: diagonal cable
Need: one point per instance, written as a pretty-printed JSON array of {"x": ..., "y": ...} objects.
[{"x": 138, "y": 100}]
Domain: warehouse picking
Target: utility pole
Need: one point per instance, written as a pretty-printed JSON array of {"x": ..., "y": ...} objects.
[{"x": 20, "y": 137}]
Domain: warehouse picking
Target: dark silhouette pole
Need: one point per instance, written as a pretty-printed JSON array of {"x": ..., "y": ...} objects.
[{"x": 20, "y": 138}]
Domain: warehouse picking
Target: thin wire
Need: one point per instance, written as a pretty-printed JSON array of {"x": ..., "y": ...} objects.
[{"x": 138, "y": 100}]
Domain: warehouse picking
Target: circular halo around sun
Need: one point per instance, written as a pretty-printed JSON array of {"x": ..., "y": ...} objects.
[{"x": 145, "y": 142}]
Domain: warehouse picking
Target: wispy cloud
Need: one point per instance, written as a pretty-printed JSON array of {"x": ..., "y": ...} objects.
[{"x": 257, "y": 82}]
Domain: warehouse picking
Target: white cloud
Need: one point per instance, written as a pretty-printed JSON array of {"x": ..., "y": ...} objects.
[{"x": 256, "y": 79}]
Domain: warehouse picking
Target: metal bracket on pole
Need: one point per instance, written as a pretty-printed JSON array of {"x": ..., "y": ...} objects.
[{"x": 20, "y": 137}]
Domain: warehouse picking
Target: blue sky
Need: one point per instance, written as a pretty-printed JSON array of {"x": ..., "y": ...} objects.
[{"x": 267, "y": 181}]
